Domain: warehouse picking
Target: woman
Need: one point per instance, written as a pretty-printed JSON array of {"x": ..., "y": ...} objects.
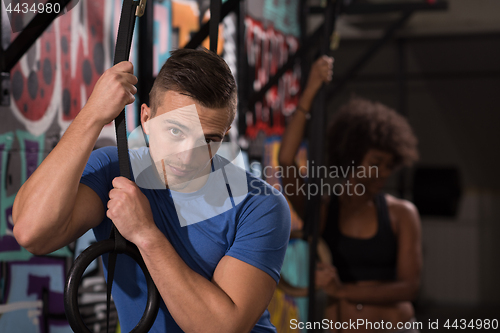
[{"x": 374, "y": 237}]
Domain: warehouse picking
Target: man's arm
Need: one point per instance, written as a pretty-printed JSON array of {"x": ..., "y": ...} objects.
[
  {"x": 232, "y": 302},
  {"x": 51, "y": 209},
  {"x": 238, "y": 293}
]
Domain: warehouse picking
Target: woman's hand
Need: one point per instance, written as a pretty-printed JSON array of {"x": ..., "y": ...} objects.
[
  {"x": 321, "y": 72},
  {"x": 327, "y": 278}
]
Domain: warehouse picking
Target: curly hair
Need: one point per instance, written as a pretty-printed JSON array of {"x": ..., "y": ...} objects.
[{"x": 361, "y": 125}]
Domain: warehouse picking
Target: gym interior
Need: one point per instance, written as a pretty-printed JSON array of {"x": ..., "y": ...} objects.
[{"x": 434, "y": 62}]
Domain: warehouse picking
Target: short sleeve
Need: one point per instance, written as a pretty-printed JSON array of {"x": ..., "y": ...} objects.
[
  {"x": 101, "y": 169},
  {"x": 263, "y": 230}
]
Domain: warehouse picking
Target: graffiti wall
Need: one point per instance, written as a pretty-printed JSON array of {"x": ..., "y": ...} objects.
[
  {"x": 272, "y": 32},
  {"x": 49, "y": 86}
]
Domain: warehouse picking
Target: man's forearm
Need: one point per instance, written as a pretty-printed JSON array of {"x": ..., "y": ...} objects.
[
  {"x": 195, "y": 303},
  {"x": 45, "y": 201}
]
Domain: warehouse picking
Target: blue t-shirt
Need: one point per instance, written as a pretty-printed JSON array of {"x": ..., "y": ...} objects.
[{"x": 251, "y": 224}]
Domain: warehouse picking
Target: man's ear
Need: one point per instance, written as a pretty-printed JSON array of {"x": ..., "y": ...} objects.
[{"x": 145, "y": 117}]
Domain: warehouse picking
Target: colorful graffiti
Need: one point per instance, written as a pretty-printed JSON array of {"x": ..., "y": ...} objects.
[
  {"x": 59, "y": 71},
  {"x": 30, "y": 156},
  {"x": 267, "y": 50},
  {"x": 162, "y": 30},
  {"x": 283, "y": 14},
  {"x": 50, "y": 84},
  {"x": 34, "y": 297}
]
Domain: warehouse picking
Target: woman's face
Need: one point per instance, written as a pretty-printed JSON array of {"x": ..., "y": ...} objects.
[{"x": 377, "y": 166}]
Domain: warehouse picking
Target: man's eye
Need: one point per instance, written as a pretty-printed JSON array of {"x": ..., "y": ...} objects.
[{"x": 175, "y": 131}]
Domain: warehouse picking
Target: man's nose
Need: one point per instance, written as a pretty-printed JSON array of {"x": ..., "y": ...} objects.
[{"x": 190, "y": 152}]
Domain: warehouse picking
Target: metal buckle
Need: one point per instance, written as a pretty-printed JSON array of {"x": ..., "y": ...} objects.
[{"x": 141, "y": 7}]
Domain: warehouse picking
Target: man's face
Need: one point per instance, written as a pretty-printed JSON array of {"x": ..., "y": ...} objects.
[{"x": 183, "y": 137}]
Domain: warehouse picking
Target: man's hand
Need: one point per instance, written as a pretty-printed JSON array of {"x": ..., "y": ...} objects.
[
  {"x": 321, "y": 71},
  {"x": 130, "y": 211},
  {"x": 112, "y": 92}
]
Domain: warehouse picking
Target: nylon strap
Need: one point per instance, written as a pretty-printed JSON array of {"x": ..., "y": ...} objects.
[
  {"x": 215, "y": 6},
  {"x": 122, "y": 52}
]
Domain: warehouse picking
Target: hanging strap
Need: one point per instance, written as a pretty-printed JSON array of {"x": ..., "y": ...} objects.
[
  {"x": 215, "y": 6},
  {"x": 122, "y": 52},
  {"x": 117, "y": 243}
]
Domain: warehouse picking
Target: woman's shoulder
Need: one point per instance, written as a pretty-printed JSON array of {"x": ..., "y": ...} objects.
[
  {"x": 400, "y": 205},
  {"x": 403, "y": 212}
]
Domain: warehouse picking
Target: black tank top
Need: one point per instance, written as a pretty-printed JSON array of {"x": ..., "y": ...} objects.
[{"x": 359, "y": 259}]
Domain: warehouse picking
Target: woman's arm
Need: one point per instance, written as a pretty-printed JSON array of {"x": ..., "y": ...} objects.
[
  {"x": 291, "y": 290},
  {"x": 409, "y": 265},
  {"x": 321, "y": 71},
  {"x": 325, "y": 272}
]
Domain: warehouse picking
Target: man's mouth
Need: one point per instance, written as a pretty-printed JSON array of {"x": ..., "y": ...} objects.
[{"x": 180, "y": 172}]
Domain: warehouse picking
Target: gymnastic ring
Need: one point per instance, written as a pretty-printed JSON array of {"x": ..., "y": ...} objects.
[{"x": 75, "y": 275}]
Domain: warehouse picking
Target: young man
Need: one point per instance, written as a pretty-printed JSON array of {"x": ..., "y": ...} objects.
[{"x": 214, "y": 250}]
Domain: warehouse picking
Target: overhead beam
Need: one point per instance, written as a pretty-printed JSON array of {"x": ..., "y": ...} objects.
[
  {"x": 198, "y": 38},
  {"x": 28, "y": 36},
  {"x": 372, "y": 50},
  {"x": 382, "y": 8}
]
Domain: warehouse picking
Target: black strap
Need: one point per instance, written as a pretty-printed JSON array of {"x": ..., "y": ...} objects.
[
  {"x": 117, "y": 243},
  {"x": 215, "y": 6},
  {"x": 120, "y": 247},
  {"x": 384, "y": 220},
  {"x": 122, "y": 52}
]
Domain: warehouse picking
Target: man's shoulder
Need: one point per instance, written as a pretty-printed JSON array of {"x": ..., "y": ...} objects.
[
  {"x": 259, "y": 188},
  {"x": 107, "y": 157},
  {"x": 102, "y": 163},
  {"x": 266, "y": 198},
  {"x": 256, "y": 188},
  {"x": 107, "y": 153}
]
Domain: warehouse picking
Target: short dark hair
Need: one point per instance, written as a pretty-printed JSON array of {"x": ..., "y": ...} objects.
[
  {"x": 360, "y": 125},
  {"x": 202, "y": 75}
]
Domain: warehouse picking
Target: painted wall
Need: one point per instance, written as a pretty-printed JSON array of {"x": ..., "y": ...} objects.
[
  {"x": 50, "y": 84},
  {"x": 272, "y": 34}
]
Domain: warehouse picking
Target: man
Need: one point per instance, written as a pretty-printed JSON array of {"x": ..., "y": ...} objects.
[{"x": 215, "y": 268}]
